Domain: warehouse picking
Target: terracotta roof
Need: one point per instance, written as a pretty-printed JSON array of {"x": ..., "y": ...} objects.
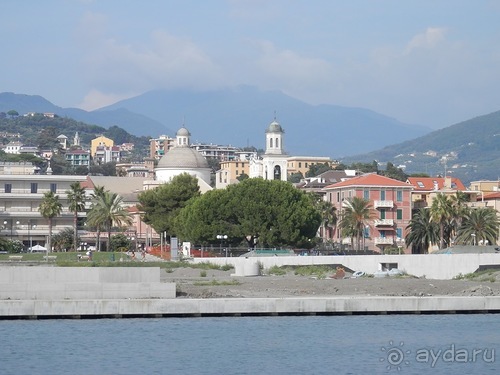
[
  {"x": 495, "y": 195},
  {"x": 370, "y": 179},
  {"x": 427, "y": 183}
]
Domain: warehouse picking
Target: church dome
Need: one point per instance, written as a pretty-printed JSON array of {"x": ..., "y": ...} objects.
[
  {"x": 183, "y": 132},
  {"x": 274, "y": 127},
  {"x": 182, "y": 157}
]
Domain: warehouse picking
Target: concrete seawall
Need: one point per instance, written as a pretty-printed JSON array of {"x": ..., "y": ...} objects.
[
  {"x": 345, "y": 305},
  {"x": 52, "y": 292}
]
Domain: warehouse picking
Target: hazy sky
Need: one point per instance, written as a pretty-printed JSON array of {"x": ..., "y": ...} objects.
[{"x": 429, "y": 62}]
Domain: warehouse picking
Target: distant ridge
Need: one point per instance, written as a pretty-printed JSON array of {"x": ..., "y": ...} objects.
[
  {"x": 239, "y": 117},
  {"x": 469, "y": 150}
]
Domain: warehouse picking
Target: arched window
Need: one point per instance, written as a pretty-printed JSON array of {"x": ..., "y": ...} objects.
[
  {"x": 277, "y": 143},
  {"x": 270, "y": 143},
  {"x": 277, "y": 172}
]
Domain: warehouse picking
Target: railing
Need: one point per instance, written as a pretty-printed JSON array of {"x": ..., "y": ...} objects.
[
  {"x": 389, "y": 204},
  {"x": 384, "y": 241},
  {"x": 384, "y": 222}
]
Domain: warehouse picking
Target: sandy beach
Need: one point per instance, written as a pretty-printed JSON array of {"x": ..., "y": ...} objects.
[{"x": 197, "y": 283}]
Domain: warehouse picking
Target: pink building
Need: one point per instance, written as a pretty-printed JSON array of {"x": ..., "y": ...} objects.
[{"x": 391, "y": 206}]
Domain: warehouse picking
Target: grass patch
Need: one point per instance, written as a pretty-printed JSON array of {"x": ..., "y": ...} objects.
[
  {"x": 278, "y": 271},
  {"x": 318, "y": 271},
  {"x": 216, "y": 283},
  {"x": 485, "y": 275},
  {"x": 203, "y": 273}
]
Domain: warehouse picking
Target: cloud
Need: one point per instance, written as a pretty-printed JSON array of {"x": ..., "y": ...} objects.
[
  {"x": 96, "y": 99},
  {"x": 163, "y": 61},
  {"x": 295, "y": 74},
  {"x": 429, "y": 39}
]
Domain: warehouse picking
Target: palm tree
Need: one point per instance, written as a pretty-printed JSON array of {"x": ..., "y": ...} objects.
[
  {"x": 107, "y": 210},
  {"x": 49, "y": 208},
  {"x": 355, "y": 216},
  {"x": 459, "y": 211},
  {"x": 95, "y": 196},
  {"x": 423, "y": 232},
  {"x": 481, "y": 225},
  {"x": 328, "y": 214},
  {"x": 76, "y": 198},
  {"x": 442, "y": 214}
]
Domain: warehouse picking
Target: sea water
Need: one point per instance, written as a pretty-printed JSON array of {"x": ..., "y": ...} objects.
[{"x": 398, "y": 344}]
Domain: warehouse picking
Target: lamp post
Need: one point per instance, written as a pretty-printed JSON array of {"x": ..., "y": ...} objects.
[
  {"x": 222, "y": 238},
  {"x": 473, "y": 235},
  {"x": 5, "y": 222}
]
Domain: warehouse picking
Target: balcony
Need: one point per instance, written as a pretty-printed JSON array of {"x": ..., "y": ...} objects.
[
  {"x": 383, "y": 204},
  {"x": 384, "y": 222},
  {"x": 384, "y": 240}
]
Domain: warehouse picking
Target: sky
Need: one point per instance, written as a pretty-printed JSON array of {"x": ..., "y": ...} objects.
[{"x": 426, "y": 62}]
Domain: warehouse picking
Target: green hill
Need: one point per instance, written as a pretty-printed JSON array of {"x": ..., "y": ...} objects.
[{"x": 469, "y": 150}]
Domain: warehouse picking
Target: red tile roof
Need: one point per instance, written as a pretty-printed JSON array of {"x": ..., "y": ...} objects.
[
  {"x": 495, "y": 195},
  {"x": 427, "y": 183},
  {"x": 370, "y": 179}
]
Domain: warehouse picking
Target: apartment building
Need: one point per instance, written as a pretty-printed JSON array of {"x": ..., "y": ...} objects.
[
  {"x": 391, "y": 208},
  {"x": 20, "y": 197},
  {"x": 301, "y": 164}
]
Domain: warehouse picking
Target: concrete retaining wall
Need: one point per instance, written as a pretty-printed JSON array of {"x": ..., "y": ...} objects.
[
  {"x": 431, "y": 266},
  {"x": 54, "y": 283},
  {"x": 247, "y": 306}
]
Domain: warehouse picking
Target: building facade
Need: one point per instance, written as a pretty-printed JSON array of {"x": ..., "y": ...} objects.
[
  {"x": 390, "y": 206},
  {"x": 20, "y": 197},
  {"x": 100, "y": 141},
  {"x": 301, "y": 164}
]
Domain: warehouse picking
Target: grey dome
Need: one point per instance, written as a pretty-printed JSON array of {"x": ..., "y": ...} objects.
[
  {"x": 183, "y": 132},
  {"x": 182, "y": 157},
  {"x": 274, "y": 127}
]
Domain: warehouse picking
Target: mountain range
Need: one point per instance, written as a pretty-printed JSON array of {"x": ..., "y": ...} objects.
[
  {"x": 469, "y": 150},
  {"x": 239, "y": 117}
]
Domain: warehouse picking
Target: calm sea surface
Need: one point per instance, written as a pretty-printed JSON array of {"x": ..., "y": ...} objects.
[{"x": 397, "y": 344}]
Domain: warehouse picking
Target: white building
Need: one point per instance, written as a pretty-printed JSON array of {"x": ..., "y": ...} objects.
[
  {"x": 20, "y": 197},
  {"x": 273, "y": 164},
  {"x": 183, "y": 159}
]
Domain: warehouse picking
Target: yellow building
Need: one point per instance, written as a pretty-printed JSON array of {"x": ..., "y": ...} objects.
[
  {"x": 100, "y": 141},
  {"x": 229, "y": 171},
  {"x": 302, "y": 164}
]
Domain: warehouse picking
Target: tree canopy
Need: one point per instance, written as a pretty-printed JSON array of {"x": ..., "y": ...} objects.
[
  {"x": 267, "y": 213},
  {"x": 162, "y": 204}
]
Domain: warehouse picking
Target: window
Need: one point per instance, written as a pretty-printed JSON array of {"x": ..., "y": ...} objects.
[
  {"x": 382, "y": 195},
  {"x": 8, "y": 188},
  {"x": 382, "y": 213},
  {"x": 236, "y": 167},
  {"x": 366, "y": 194},
  {"x": 53, "y": 187},
  {"x": 300, "y": 164},
  {"x": 277, "y": 143},
  {"x": 270, "y": 143},
  {"x": 367, "y": 232},
  {"x": 338, "y": 196},
  {"x": 34, "y": 188},
  {"x": 399, "y": 195},
  {"x": 420, "y": 184},
  {"x": 399, "y": 214}
]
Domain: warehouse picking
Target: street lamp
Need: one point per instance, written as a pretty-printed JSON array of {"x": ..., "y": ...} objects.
[
  {"x": 5, "y": 222},
  {"x": 473, "y": 235},
  {"x": 222, "y": 238}
]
